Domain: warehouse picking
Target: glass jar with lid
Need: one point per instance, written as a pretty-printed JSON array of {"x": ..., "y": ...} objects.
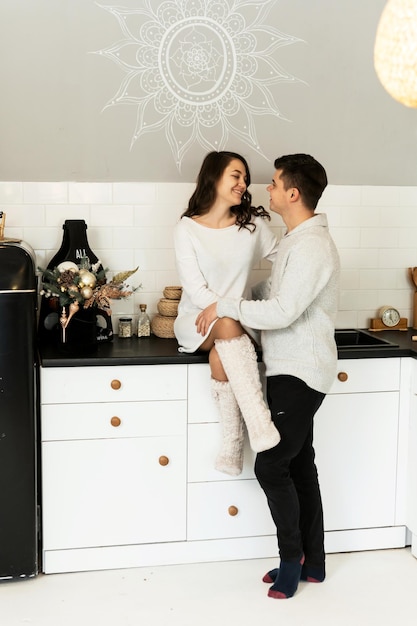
[{"x": 125, "y": 327}]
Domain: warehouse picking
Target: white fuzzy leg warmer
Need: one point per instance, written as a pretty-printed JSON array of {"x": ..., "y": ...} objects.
[
  {"x": 230, "y": 458},
  {"x": 239, "y": 361}
]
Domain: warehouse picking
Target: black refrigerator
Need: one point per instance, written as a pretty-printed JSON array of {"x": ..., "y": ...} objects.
[{"x": 19, "y": 534}]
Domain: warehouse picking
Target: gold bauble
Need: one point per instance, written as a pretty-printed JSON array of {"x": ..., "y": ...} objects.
[
  {"x": 87, "y": 278},
  {"x": 86, "y": 293}
]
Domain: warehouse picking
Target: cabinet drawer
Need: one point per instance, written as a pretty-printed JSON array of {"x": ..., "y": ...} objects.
[
  {"x": 113, "y": 420},
  {"x": 367, "y": 375},
  {"x": 204, "y": 442},
  {"x": 227, "y": 509},
  {"x": 113, "y": 384}
]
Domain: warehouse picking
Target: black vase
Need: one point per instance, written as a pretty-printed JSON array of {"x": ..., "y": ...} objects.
[
  {"x": 74, "y": 247},
  {"x": 80, "y": 334}
]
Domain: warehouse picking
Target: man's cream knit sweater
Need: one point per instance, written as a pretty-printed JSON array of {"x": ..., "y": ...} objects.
[{"x": 296, "y": 308}]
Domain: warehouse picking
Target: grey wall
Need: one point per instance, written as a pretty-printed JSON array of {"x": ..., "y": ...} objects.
[{"x": 54, "y": 123}]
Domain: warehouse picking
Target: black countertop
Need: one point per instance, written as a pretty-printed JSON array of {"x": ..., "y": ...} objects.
[
  {"x": 155, "y": 351},
  {"x": 126, "y": 351}
]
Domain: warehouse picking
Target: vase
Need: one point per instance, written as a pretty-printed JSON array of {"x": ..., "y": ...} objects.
[
  {"x": 74, "y": 247},
  {"x": 80, "y": 332}
]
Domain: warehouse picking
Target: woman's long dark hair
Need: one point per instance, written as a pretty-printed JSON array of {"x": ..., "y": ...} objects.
[{"x": 204, "y": 194}]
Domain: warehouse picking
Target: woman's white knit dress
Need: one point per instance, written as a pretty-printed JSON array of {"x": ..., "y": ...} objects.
[{"x": 215, "y": 263}]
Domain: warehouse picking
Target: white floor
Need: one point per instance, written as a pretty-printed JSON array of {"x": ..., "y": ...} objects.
[{"x": 361, "y": 589}]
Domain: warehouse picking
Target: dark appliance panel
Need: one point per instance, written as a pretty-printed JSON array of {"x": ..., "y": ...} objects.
[{"x": 18, "y": 437}]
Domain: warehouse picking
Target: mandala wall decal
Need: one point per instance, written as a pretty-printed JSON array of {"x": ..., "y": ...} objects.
[{"x": 198, "y": 70}]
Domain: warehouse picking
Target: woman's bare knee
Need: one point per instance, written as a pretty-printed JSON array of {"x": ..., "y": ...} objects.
[
  {"x": 227, "y": 328},
  {"x": 224, "y": 328}
]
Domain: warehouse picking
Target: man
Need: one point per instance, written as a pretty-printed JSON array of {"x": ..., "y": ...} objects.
[{"x": 295, "y": 311}]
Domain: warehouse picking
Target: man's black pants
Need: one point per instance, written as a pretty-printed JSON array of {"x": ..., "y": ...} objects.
[{"x": 287, "y": 473}]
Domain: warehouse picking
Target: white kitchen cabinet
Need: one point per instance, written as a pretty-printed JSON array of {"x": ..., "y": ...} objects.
[
  {"x": 126, "y": 482},
  {"x": 219, "y": 505},
  {"x": 411, "y": 509},
  {"x": 357, "y": 454},
  {"x": 114, "y": 472},
  {"x": 356, "y": 432},
  {"x": 106, "y": 492},
  {"x": 356, "y": 442}
]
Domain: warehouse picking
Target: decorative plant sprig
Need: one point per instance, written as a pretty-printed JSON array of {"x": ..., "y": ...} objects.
[{"x": 73, "y": 284}]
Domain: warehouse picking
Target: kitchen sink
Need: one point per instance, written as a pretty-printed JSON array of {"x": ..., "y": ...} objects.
[{"x": 354, "y": 338}]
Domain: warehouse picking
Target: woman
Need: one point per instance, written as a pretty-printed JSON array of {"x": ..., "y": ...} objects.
[{"x": 218, "y": 240}]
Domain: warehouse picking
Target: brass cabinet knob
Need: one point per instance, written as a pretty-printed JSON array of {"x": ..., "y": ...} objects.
[
  {"x": 115, "y": 421},
  {"x": 233, "y": 510},
  {"x": 163, "y": 460},
  {"x": 115, "y": 384},
  {"x": 342, "y": 376}
]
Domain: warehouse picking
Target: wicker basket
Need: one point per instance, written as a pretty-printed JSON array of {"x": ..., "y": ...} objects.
[
  {"x": 168, "y": 307},
  {"x": 172, "y": 293},
  {"x": 163, "y": 326}
]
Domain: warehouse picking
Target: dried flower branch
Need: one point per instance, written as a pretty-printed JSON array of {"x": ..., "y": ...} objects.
[{"x": 87, "y": 287}]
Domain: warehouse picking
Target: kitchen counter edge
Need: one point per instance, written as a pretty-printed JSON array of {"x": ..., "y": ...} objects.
[{"x": 156, "y": 351}]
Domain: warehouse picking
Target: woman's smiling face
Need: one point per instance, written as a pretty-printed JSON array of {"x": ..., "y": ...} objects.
[{"x": 232, "y": 184}]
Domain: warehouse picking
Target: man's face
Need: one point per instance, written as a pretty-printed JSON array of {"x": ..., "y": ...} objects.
[{"x": 278, "y": 196}]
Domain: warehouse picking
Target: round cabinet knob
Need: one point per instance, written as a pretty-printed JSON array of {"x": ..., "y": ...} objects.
[
  {"x": 163, "y": 460},
  {"x": 115, "y": 421},
  {"x": 115, "y": 384},
  {"x": 342, "y": 376},
  {"x": 233, "y": 510}
]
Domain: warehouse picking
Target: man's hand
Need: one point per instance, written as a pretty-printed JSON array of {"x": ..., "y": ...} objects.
[{"x": 205, "y": 318}]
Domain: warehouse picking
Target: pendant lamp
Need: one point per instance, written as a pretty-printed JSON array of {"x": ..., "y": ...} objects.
[{"x": 395, "y": 52}]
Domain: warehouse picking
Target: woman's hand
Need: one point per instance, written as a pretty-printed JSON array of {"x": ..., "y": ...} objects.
[{"x": 205, "y": 318}]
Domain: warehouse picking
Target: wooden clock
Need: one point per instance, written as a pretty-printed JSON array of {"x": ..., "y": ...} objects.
[{"x": 388, "y": 318}]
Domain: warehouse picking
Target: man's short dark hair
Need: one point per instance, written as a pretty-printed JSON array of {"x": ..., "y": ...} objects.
[{"x": 303, "y": 172}]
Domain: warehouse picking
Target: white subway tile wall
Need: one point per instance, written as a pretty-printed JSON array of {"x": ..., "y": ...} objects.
[{"x": 130, "y": 224}]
